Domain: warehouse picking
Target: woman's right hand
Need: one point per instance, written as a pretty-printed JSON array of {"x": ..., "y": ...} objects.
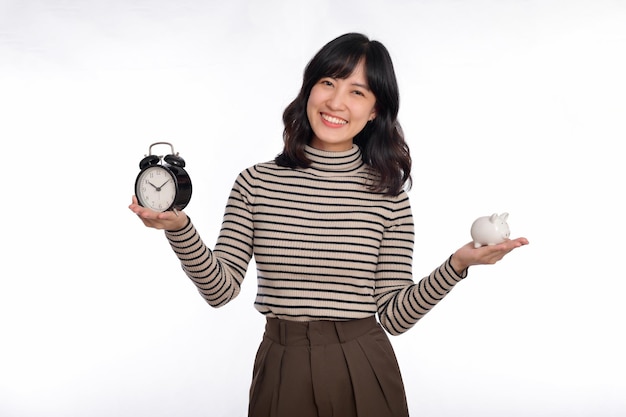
[{"x": 167, "y": 220}]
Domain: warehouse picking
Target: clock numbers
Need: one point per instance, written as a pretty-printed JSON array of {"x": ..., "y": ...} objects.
[{"x": 157, "y": 189}]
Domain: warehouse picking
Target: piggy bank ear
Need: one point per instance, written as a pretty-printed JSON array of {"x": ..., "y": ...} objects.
[
  {"x": 504, "y": 216},
  {"x": 493, "y": 217}
]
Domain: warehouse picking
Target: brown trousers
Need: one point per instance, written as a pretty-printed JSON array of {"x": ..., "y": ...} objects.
[{"x": 326, "y": 369}]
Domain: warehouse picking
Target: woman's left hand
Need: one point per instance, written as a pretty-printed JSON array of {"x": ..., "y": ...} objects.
[{"x": 468, "y": 255}]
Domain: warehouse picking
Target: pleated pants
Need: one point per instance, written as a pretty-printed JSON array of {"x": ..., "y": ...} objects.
[{"x": 326, "y": 369}]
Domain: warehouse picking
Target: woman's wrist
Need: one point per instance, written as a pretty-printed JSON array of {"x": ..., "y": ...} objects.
[
  {"x": 457, "y": 265},
  {"x": 180, "y": 223}
]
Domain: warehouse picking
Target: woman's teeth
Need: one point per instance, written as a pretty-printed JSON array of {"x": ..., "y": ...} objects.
[{"x": 334, "y": 120}]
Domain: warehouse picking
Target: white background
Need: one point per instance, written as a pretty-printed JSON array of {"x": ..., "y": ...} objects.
[{"x": 507, "y": 105}]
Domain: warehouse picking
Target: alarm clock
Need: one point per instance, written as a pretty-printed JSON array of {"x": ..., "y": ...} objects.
[{"x": 162, "y": 183}]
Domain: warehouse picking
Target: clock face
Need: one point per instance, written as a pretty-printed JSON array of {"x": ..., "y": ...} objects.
[{"x": 156, "y": 188}]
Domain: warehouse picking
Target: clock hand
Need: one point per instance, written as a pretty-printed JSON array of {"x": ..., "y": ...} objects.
[
  {"x": 163, "y": 184},
  {"x": 157, "y": 188}
]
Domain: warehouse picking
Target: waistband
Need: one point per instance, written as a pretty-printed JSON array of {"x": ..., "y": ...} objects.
[{"x": 315, "y": 333}]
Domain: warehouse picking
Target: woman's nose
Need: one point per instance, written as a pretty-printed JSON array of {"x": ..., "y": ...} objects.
[{"x": 336, "y": 100}]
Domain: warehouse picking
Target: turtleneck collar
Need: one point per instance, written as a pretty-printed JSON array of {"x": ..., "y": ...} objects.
[{"x": 335, "y": 162}]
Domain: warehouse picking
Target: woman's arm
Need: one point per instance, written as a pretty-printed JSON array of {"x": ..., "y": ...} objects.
[{"x": 217, "y": 274}]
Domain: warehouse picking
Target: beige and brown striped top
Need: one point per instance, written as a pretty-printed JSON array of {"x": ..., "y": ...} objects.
[{"x": 325, "y": 247}]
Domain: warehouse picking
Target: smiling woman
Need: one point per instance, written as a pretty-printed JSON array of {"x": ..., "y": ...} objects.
[
  {"x": 330, "y": 227},
  {"x": 338, "y": 110},
  {"x": 351, "y": 76}
]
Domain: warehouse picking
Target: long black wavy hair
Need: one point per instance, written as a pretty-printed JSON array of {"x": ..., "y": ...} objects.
[{"x": 381, "y": 141}]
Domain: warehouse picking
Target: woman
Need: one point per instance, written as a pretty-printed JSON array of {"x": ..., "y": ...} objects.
[{"x": 330, "y": 226}]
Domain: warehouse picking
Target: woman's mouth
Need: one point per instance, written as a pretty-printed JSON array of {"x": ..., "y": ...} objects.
[{"x": 332, "y": 120}]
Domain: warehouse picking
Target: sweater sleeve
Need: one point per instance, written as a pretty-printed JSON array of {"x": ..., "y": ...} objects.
[
  {"x": 218, "y": 274},
  {"x": 400, "y": 301}
]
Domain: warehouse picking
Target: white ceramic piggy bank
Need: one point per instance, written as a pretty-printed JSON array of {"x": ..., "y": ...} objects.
[{"x": 490, "y": 230}]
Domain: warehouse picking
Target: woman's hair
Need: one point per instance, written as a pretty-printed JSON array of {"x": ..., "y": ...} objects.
[{"x": 381, "y": 141}]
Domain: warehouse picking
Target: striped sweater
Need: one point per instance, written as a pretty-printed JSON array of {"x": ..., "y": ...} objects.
[{"x": 325, "y": 246}]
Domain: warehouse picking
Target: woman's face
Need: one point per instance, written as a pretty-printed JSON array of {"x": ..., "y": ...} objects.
[{"x": 338, "y": 109}]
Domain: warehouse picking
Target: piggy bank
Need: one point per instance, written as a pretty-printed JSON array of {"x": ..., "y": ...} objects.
[{"x": 490, "y": 230}]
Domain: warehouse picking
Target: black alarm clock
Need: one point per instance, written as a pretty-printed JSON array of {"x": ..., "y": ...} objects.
[{"x": 162, "y": 183}]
